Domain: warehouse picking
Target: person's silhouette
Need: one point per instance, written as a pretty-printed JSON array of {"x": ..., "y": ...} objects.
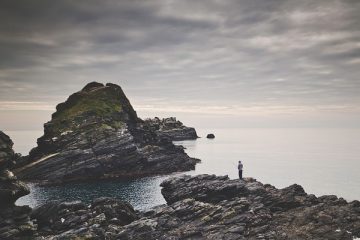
[{"x": 240, "y": 168}]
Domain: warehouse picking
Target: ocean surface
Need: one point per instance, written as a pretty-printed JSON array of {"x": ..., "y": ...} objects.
[{"x": 323, "y": 161}]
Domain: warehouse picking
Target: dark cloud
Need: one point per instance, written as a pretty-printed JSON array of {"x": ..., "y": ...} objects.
[{"x": 215, "y": 53}]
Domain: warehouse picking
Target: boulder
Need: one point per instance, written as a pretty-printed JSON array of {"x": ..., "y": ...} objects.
[{"x": 210, "y": 136}]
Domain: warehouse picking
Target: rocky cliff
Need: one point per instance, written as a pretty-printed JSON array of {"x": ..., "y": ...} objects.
[
  {"x": 14, "y": 220},
  {"x": 208, "y": 207},
  {"x": 96, "y": 133}
]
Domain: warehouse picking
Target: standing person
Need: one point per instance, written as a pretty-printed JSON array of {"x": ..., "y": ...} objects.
[{"x": 240, "y": 168}]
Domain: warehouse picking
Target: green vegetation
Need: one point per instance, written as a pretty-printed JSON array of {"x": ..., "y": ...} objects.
[
  {"x": 101, "y": 102},
  {"x": 98, "y": 102}
]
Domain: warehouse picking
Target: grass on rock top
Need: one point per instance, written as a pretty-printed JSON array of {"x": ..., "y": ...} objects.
[{"x": 100, "y": 102}]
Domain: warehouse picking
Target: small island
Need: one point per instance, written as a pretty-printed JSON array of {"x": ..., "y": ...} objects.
[{"x": 96, "y": 134}]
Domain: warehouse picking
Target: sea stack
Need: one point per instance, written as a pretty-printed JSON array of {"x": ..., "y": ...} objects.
[
  {"x": 14, "y": 220},
  {"x": 97, "y": 134}
]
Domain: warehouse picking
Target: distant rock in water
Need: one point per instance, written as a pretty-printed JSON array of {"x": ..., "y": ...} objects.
[
  {"x": 207, "y": 207},
  {"x": 210, "y": 136},
  {"x": 96, "y": 133},
  {"x": 170, "y": 128},
  {"x": 14, "y": 220}
]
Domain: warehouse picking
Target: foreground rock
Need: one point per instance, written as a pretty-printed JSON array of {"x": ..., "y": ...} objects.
[
  {"x": 14, "y": 220},
  {"x": 96, "y": 134},
  {"x": 211, "y": 207},
  {"x": 70, "y": 220}
]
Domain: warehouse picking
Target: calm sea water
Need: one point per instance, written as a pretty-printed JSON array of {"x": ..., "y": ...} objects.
[{"x": 323, "y": 161}]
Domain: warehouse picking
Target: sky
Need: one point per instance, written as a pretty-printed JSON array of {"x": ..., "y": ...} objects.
[{"x": 215, "y": 63}]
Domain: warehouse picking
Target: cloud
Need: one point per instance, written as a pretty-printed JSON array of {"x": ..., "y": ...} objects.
[
  {"x": 25, "y": 106},
  {"x": 297, "y": 54}
]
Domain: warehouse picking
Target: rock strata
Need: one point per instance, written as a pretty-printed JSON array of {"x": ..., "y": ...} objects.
[
  {"x": 97, "y": 134},
  {"x": 215, "y": 207},
  {"x": 170, "y": 128},
  {"x": 73, "y": 220},
  {"x": 14, "y": 220}
]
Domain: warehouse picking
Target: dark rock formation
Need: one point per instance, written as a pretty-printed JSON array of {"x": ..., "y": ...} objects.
[
  {"x": 210, "y": 135},
  {"x": 211, "y": 207},
  {"x": 96, "y": 134},
  {"x": 14, "y": 220},
  {"x": 69, "y": 220},
  {"x": 170, "y": 128}
]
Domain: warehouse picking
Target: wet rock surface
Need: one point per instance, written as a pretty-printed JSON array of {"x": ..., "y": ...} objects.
[
  {"x": 14, "y": 220},
  {"x": 215, "y": 207},
  {"x": 96, "y": 134}
]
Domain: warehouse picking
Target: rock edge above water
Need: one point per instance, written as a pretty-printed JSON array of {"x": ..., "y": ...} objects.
[{"x": 209, "y": 207}]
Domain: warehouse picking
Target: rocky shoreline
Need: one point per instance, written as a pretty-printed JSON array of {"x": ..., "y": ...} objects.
[
  {"x": 96, "y": 134},
  {"x": 14, "y": 220},
  {"x": 205, "y": 207},
  {"x": 211, "y": 207},
  {"x": 198, "y": 207}
]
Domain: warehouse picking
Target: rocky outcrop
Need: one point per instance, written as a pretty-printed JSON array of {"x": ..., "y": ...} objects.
[
  {"x": 212, "y": 207},
  {"x": 236, "y": 209},
  {"x": 170, "y": 128},
  {"x": 210, "y": 136},
  {"x": 97, "y": 134},
  {"x": 71, "y": 220},
  {"x": 14, "y": 220}
]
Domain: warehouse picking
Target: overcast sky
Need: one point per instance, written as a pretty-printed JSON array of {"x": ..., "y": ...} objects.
[{"x": 246, "y": 59}]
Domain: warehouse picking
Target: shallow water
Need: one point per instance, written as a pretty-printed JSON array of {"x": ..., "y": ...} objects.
[{"x": 323, "y": 161}]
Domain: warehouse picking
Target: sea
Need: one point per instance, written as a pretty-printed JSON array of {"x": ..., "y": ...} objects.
[{"x": 323, "y": 161}]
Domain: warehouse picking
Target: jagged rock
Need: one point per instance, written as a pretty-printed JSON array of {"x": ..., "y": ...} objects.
[
  {"x": 14, "y": 220},
  {"x": 10, "y": 188},
  {"x": 170, "y": 128},
  {"x": 211, "y": 207},
  {"x": 208, "y": 207},
  {"x": 7, "y": 155},
  {"x": 211, "y": 189},
  {"x": 210, "y": 136},
  {"x": 97, "y": 134},
  {"x": 68, "y": 220}
]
